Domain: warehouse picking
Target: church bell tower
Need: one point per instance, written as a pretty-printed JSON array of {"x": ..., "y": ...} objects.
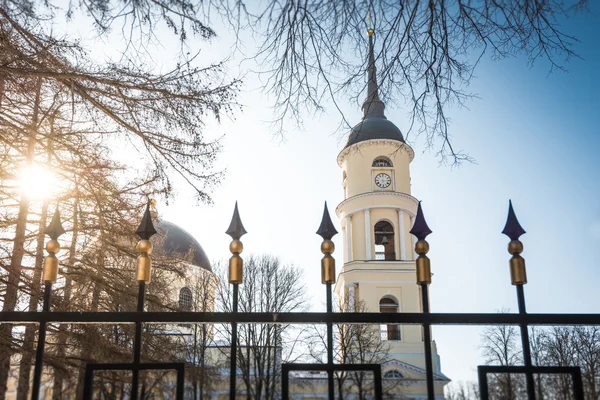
[{"x": 376, "y": 216}]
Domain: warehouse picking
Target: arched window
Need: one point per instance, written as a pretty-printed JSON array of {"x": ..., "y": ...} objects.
[
  {"x": 382, "y": 162},
  {"x": 384, "y": 241},
  {"x": 394, "y": 373},
  {"x": 389, "y": 305},
  {"x": 185, "y": 299}
]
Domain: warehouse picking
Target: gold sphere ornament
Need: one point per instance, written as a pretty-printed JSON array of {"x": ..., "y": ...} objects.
[
  {"x": 53, "y": 246},
  {"x": 144, "y": 246},
  {"x": 515, "y": 247},
  {"x": 327, "y": 247},
  {"x": 422, "y": 247},
  {"x": 236, "y": 246}
]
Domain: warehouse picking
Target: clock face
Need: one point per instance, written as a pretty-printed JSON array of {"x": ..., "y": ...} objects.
[{"x": 383, "y": 180}]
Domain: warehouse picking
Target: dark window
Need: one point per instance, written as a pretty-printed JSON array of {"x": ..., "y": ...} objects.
[
  {"x": 393, "y": 374},
  {"x": 382, "y": 162},
  {"x": 185, "y": 299},
  {"x": 392, "y": 331},
  {"x": 384, "y": 241}
]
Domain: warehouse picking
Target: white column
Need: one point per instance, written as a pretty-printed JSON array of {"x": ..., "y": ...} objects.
[
  {"x": 368, "y": 255},
  {"x": 348, "y": 238},
  {"x": 401, "y": 234},
  {"x": 412, "y": 239},
  {"x": 351, "y": 299}
]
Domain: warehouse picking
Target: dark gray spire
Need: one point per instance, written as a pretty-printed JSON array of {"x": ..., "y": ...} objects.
[
  {"x": 236, "y": 228},
  {"x": 146, "y": 228},
  {"x": 373, "y": 106},
  {"x": 55, "y": 229},
  {"x": 326, "y": 229},
  {"x": 513, "y": 228},
  {"x": 420, "y": 228}
]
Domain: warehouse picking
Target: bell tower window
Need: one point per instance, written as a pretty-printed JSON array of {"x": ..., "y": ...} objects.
[
  {"x": 384, "y": 241},
  {"x": 185, "y": 299},
  {"x": 392, "y": 331},
  {"x": 382, "y": 162}
]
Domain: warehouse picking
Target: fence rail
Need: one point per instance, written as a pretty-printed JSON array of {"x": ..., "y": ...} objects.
[{"x": 299, "y": 318}]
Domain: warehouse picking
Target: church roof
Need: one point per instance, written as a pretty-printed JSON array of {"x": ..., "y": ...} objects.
[
  {"x": 374, "y": 124},
  {"x": 174, "y": 241}
]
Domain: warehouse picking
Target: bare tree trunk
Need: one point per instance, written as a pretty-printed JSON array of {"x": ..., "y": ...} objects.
[
  {"x": 57, "y": 391},
  {"x": 34, "y": 300},
  {"x": 87, "y": 349},
  {"x": 14, "y": 272}
]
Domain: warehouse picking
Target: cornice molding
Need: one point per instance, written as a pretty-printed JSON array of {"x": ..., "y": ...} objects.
[
  {"x": 405, "y": 196},
  {"x": 400, "y": 146}
]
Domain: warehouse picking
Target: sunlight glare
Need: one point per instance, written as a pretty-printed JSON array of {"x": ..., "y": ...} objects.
[{"x": 36, "y": 182}]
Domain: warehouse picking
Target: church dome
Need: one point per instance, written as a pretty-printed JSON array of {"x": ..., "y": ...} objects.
[
  {"x": 174, "y": 241},
  {"x": 374, "y": 128}
]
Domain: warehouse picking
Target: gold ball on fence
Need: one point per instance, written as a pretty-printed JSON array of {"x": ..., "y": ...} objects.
[
  {"x": 144, "y": 246},
  {"x": 422, "y": 247},
  {"x": 53, "y": 246},
  {"x": 515, "y": 247},
  {"x": 236, "y": 246},
  {"x": 327, "y": 247}
]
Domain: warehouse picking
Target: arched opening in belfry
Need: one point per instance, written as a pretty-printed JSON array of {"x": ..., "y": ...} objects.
[
  {"x": 185, "y": 299},
  {"x": 382, "y": 161},
  {"x": 389, "y": 304},
  {"x": 384, "y": 241}
]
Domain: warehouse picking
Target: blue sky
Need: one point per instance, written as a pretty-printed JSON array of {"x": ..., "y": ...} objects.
[{"x": 535, "y": 138}]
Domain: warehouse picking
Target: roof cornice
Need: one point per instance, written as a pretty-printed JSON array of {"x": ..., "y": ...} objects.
[{"x": 356, "y": 147}]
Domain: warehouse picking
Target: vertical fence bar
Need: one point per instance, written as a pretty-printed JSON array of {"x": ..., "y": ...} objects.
[
  {"x": 423, "y": 268},
  {"x": 180, "y": 382},
  {"x": 233, "y": 357},
  {"x": 378, "y": 383},
  {"x": 285, "y": 379},
  {"x": 525, "y": 344},
  {"x": 236, "y": 276},
  {"x": 327, "y": 231},
  {"x": 88, "y": 382},
  {"x": 330, "y": 382},
  {"x": 483, "y": 384},
  {"x": 39, "y": 354},
  {"x": 137, "y": 343},
  {"x": 518, "y": 278},
  {"x": 577, "y": 385},
  {"x": 427, "y": 344}
]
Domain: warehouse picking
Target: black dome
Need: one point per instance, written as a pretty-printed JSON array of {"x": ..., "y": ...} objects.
[
  {"x": 174, "y": 241},
  {"x": 374, "y": 128}
]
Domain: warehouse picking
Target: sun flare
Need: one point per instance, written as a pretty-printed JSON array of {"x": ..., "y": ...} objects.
[{"x": 36, "y": 182}]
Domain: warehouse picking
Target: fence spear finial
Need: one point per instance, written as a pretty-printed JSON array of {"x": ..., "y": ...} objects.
[
  {"x": 421, "y": 231},
  {"x": 236, "y": 264},
  {"x": 236, "y": 228},
  {"x": 327, "y": 231},
  {"x": 145, "y": 231},
  {"x": 514, "y": 230},
  {"x": 54, "y": 231}
]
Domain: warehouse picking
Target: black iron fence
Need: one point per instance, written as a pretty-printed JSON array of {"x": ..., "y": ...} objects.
[{"x": 328, "y": 318}]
